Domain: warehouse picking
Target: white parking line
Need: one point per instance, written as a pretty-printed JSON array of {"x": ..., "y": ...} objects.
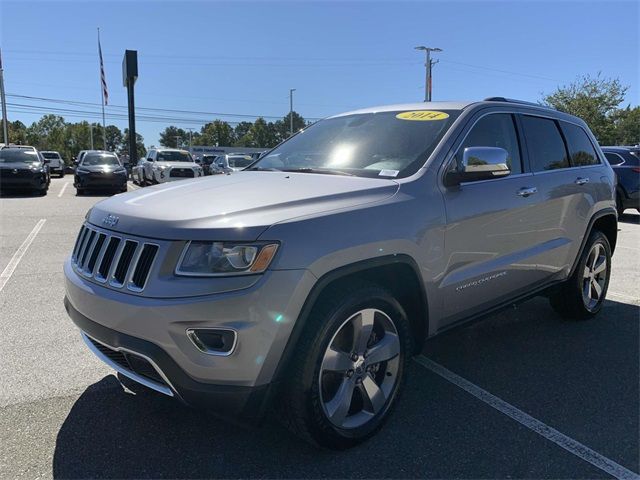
[
  {"x": 573, "y": 446},
  {"x": 15, "y": 260},
  {"x": 623, "y": 297},
  {"x": 64, "y": 187},
  {"x": 132, "y": 185}
]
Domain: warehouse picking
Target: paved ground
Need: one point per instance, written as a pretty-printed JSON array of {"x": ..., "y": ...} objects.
[{"x": 63, "y": 414}]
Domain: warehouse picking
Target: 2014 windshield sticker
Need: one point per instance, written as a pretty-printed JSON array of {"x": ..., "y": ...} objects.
[{"x": 422, "y": 115}]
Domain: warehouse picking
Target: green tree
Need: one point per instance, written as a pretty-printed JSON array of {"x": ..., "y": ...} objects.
[
  {"x": 114, "y": 138},
  {"x": 174, "y": 137},
  {"x": 241, "y": 129},
  {"x": 283, "y": 127},
  {"x": 595, "y": 100},
  {"x": 48, "y": 133},
  {"x": 217, "y": 132},
  {"x": 627, "y": 126},
  {"x": 18, "y": 132},
  {"x": 124, "y": 146},
  {"x": 261, "y": 134}
]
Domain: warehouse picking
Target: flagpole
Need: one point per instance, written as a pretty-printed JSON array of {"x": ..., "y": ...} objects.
[
  {"x": 5, "y": 120},
  {"x": 104, "y": 128}
]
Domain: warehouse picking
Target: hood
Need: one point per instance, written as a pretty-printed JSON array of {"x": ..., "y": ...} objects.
[
  {"x": 235, "y": 207},
  {"x": 99, "y": 168},
  {"x": 177, "y": 164},
  {"x": 20, "y": 166}
]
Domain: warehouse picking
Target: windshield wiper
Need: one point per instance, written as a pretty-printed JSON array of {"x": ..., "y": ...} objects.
[
  {"x": 326, "y": 171},
  {"x": 263, "y": 169}
]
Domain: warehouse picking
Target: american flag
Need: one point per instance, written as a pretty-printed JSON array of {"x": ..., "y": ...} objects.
[{"x": 103, "y": 78}]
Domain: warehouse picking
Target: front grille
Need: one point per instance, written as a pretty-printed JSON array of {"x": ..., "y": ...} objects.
[
  {"x": 129, "y": 361},
  {"x": 182, "y": 173},
  {"x": 122, "y": 263}
]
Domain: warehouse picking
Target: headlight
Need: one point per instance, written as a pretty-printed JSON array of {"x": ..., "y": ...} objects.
[
  {"x": 224, "y": 258},
  {"x": 159, "y": 167}
]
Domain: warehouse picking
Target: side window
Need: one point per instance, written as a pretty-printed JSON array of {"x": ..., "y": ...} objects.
[
  {"x": 495, "y": 130},
  {"x": 614, "y": 158},
  {"x": 580, "y": 147},
  {"x": 544, "y": 142}
]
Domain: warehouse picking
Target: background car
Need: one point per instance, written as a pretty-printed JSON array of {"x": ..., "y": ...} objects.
[
  {"x": 137, "y": 172},
  {"x": 233, "y": 162},
  {"x": 23, "y": 167},
  {"x": 100, "y": 170},
  {"x": 208, "y": 165},
  {"x": 55, "y": 161},
  {"x": 169, "y": 164},
  {"x": 626, "y": 164}
]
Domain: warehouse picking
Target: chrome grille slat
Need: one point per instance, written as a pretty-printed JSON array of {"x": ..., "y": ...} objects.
[
  {"x": 120, "y": 262},
  {"x": 87, "y": 248}
]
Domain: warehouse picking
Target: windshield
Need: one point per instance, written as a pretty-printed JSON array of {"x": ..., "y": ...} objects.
[
  {"x": 387, "y": 144},
  {"x": 18, "y": 155},
  {"x": 240, "y": 162},
  {"x": 174, "y": 157},
  {"x": 92, "y": 159},
  {"x": 52, "y": 155}
]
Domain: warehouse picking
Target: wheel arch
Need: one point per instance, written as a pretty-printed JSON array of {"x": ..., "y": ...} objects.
[
  {"x": 606, "y": 221},
  {"x": 398, "y": 273}
]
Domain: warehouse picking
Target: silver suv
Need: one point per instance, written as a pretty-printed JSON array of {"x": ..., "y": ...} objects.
[{"x": 311, "y": 277}]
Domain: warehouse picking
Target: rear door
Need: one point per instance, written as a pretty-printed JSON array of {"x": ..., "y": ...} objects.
[
  {"x": 564, "y": 187},
  {"x": 488, "y": 240}
]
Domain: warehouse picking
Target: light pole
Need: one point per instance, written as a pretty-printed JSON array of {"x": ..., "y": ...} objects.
[
  {"x": 178, "y": 140},
  {"x": 5, "y": 120},
  {"x": 190, "y": 137},
  {"x": 428, "y": 65},
  {"x": 291, "y": 90}
]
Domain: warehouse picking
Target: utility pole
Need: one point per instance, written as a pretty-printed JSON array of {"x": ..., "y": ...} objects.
[
  {"x": 190, "y": 137},
  {"x": 91, "y": 134},
  {"x": 5, "y": 120},
  {"x": 428, "y": 64},
  {"x": 291, "y": 90},
  {"x": 178, "y": 140}
]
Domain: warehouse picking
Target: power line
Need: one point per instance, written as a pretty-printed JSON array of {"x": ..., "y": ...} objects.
[{"x": 168, "y": 110}]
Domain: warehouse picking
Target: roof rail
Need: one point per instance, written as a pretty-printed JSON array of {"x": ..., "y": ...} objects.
[{"x": 513, "y": 100}]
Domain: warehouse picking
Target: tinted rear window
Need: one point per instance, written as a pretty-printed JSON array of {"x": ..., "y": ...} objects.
[
  {"x": 545, "y": 144},
  {"x": 50, "y": 154},
  {"x": 9, "y": 155},
  {"x": 100, "y": 159},
  {"x": 174, "y": 157},
  {"x": 580, "y": 147}
]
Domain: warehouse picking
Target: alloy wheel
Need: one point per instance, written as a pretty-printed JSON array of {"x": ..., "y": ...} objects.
[
  {"x": 594, "y": 277},
  {"x": 359, "y": 370}
]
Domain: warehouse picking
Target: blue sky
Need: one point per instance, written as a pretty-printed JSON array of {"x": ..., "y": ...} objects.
[{"x": 241, "y": 58}]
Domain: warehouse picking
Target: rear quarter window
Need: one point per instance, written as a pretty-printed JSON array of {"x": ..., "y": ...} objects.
[
  {"x": 581, "y": 149},
  {"x": 613, "y": 158}
]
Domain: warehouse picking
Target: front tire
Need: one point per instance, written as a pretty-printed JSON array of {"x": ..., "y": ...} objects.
[
  {"x": 581, "y": 296},
  {"x": 619, "y": 205},
  {"x": 347, "y": 372}
]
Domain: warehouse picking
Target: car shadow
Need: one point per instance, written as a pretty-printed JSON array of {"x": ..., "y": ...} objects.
[
  {"x": 629, "y": 218},
  {"x": 436, "y": 431},
  {"x": 20, "y": 194}
]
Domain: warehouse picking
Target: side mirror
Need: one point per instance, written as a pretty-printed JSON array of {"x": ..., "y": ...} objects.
[{"x": 480, "y": 163}]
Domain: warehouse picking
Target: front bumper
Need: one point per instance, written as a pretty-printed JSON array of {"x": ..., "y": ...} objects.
[
  {"x": 22, "y": 181},
  {"x": 175, "y": 173},
  {"x": 100, "y": 181},
  {"x": 245, "y": 403},
  {"x": 262, "y": 315}
]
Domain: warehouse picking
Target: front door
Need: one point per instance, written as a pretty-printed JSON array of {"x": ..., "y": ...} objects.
[{"x": 490, "y": 244}]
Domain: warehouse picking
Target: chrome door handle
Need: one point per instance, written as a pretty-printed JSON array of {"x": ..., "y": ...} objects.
[
  {"x": 581, "y": 181},
  {"x": 525, "y": 192}
]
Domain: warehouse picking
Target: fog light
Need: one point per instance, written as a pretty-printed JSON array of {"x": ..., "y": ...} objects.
[{"x": 213, "y": 341}]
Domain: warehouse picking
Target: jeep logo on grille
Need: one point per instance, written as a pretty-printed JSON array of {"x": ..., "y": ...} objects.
[{"x": 110, "y": 220}]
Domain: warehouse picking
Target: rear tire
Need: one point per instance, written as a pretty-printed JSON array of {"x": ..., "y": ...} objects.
[
  {"x": 336, "y": 395},
  {"x": 581, "y": 296}
]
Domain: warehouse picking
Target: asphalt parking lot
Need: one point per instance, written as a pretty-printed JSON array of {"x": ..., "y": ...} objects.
[{"x": 63, "y": 414}]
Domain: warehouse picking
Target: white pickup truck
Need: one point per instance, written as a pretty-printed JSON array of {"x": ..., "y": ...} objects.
[{"x": 55, "y": 161}]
